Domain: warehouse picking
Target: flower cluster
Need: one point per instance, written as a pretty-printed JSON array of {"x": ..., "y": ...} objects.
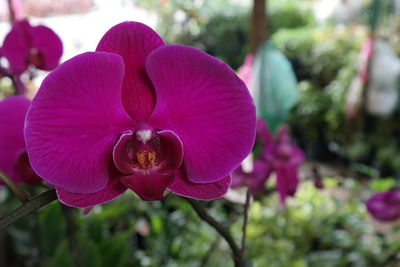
[
  {"x": 139, "y": 114},
  {"x": 272, "y": 155}
]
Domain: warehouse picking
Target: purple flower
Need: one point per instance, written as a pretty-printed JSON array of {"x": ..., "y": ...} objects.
[
  {"x": 385, "y": 206},
  {"x": 285, "y": 159},
  {"x": 255, "y": 179},
  {"x": 139, "y": 114},
  {"x": 13, "y": 156},
  {"x": 25, "y": 45},
  {"x": 271, "y": 155}
]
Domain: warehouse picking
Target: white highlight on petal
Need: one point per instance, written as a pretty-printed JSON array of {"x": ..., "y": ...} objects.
[{"x": 143, "y": 135}]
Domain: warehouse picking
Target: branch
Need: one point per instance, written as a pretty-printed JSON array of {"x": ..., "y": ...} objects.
[
  {"x": 27, "y": 208},
  {"x": 245, "y": 219},
  {"x": 21, "y": 195},
  {"x": 205, "y": 216}
]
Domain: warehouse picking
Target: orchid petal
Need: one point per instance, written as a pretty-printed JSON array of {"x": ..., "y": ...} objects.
[
  {"x": 380, "y": 209},
  {"x": 134, "y": 41},
  {"x": 287, "y": 181},
  {"x": 17, "y": 45},
  {"x": 12, "y": 116},
  {"x": 171, "y": 149},
  {"x": 75, "y": 120},
  {"x": 113, "y": 189},
  {"x": 183, "y": 187},
  {"x": 49, "y": 45},
  {"x": 263, "y": 133},
  {"x": 208, "y": 107},
  {"x": 150, "y": 186}
]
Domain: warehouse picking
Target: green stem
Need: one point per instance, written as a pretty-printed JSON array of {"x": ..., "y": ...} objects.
[
  {"x": 19, "y": 193},
  {"x": 225, "y": 233},
  {"x": 245, "y": 219},
  {"x": 27, "y": 208}
]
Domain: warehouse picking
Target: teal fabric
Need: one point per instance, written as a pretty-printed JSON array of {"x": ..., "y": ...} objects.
[{"x": 275, "y": 86}]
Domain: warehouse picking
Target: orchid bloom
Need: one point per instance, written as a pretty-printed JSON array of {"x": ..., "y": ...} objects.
[
  {"x": 385, "y": 206},
  {"x": 26, "y": 45},
  {"x": 261, "y": 171},
  {"x": 13, "y": 156},
  {"x": 278, "y": 156},
  {"x": 285, "y": 159},
  {"x": 139, "y": 114}
]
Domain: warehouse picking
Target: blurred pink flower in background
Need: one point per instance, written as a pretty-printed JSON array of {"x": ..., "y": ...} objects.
[
  {"x": 272, "y": 155},
  {"x": 385, "y": 206},
  {"x": 27, "y": 45},
  {"x": 13, "y": 156},
  {"x": 143, "y": 115}
]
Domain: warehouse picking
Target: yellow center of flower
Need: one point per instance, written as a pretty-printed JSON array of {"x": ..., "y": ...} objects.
[{"x": 146, "y": 159}]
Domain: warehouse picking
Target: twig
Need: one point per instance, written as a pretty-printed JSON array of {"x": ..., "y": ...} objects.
[
  {"x": 72, "y": 231},
  {"x": 27, "y": 208},
  {"x": 205, "y": 216},
  {"x": 19, "y": 193},
  {"x": 245, "y": 219}
]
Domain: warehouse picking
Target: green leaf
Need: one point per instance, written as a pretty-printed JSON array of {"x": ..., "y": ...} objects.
[
  {"x": 62, "y": 257},
  {"x": 382, "y": 184},
  {"x": 52, "y": 227},
  {"x": 115, "y": 251}
]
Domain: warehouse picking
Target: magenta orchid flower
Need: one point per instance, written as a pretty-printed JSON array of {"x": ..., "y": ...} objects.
[
  {"x": 13, "y": 156},
  {"x": 286, "y": 159},
  {"x": 255, "y": 180},
  {"x": 26, "y": 45},
  {"x": 139, "y": 114},
  {"x": 385, "y": 206},
  {"x": 272, "y": 155}
]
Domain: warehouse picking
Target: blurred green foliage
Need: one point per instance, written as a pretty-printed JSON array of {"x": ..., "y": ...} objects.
[
  {"x": 221, "y": 28},
  {"x": 318, "y": 228}
]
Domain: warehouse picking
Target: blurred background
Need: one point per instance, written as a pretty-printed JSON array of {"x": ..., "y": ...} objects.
[{"x": 335, "y": 60}]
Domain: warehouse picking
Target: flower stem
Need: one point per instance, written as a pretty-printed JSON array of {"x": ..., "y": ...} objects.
[
  {"x": 245, "y": 219},
  {"x": 225, "y": 233},
  {"x": 27, "y": 208},
  {"x": 19, "y": 193}
]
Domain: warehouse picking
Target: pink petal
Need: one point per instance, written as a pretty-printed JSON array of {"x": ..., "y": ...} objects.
[
  {"x": 12, "y": 116},
  {"x": 263, "y": 133},
  {"x": 113, "y": 189},
  {"x": 287, "y": 181},
  {"x": 209, "y": 191},
  {"x": 382, "y": 210},
  {"x": 149, "y": 186},
  {"x": 202, "y": 101},
  {"x": 392, "y": 197},
  {"x": 17, "y": 45},
  {"x": 75, "y": 120},
  {"x": 134, "y": 41},
  {"x": 120, "y": 154},
  {"x": 245, "y": 71},
  {"x": 49, "y": 45},
  {"x": 171, "y": 149}
]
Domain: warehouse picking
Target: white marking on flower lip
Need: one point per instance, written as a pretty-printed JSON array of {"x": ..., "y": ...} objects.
[{"x": 143, "y": 135}]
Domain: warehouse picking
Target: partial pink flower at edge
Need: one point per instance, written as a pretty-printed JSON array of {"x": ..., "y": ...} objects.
[
  {"x": 142, "y": 115},
  {"x": 13, "y": 156},
  {"x": 385, "y": 206}
]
